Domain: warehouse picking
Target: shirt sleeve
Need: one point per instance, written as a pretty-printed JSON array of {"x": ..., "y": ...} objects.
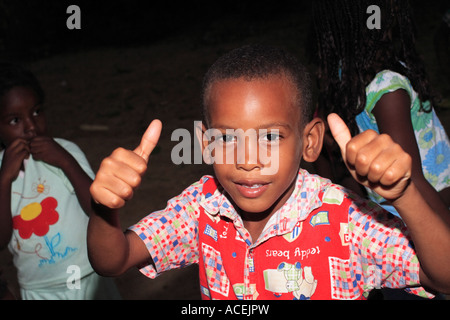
[
  {"x": 170, "y": 235},
  {"x": 385, "y": 82},
  {"x": 382, "y": 253},
  {"x": 78, "y": 155}
]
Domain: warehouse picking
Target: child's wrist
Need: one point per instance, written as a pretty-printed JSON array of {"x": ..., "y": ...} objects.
[
  {"x": 103, "y": 211},
  {"x": 406, "y": 196}
]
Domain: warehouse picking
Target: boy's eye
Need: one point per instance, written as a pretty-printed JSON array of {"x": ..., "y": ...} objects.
[
  {"x": 271, "y": 137},
  {"x": 226, "y": 138}
]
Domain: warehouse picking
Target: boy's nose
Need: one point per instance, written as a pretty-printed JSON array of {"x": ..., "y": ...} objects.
[
  {"x": 247, "y": 156},
  {"x": 248, "y": 166}
]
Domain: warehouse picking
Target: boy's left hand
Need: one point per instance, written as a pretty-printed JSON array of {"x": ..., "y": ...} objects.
[{"x": 373, "y": 159}]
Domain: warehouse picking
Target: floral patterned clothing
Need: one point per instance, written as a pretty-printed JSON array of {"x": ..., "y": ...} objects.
[
  {"x": 323, "y": 243},
  {"x": 432, "y": 140}
]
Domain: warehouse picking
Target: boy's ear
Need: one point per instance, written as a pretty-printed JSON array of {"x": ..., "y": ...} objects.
[
  {"x": 313, "y": 134},
  {"x": 200, "y": 130}
]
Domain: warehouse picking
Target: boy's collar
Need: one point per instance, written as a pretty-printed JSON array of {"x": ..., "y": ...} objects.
[
  {"x": 214, "y": 201},
  {"x": 304, "y": 199}
]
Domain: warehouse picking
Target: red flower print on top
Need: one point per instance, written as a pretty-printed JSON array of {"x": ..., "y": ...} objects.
[{"x": 36, "y": 218}]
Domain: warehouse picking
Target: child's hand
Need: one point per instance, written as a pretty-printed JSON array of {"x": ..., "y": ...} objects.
[
  {"x": 373, "y": 159},
  {"x": 121, "y": 172},
  {"x": 46, "y": 149},
  {"x": 13, "y": 158}
]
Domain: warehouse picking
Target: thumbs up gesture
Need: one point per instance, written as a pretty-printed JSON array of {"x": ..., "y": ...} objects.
[
  {"x": 120, "y": 173},
  {"x": 373, "y": 159}
]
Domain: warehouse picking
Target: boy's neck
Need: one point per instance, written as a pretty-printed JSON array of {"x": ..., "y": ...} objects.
[{"x": 255, "y": 228}]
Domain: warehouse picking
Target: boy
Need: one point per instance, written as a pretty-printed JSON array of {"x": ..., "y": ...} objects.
[{"x": 257, "y": 233}]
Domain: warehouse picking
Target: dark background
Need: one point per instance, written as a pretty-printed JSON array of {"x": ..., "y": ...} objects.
[{"x": 32, "y": 29}]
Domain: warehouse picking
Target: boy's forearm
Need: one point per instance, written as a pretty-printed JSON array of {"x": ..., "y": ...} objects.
[
  {"x": 107, "y": 244},
  {"x": 430, "y": 232}
]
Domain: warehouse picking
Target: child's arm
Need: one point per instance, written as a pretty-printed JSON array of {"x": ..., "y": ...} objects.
[
  {"x": 376, "y": 161},
  {"x": 111, "y": 252},
  {"x": 12, "y": 161},
  {"x": 48, "y": 150}
]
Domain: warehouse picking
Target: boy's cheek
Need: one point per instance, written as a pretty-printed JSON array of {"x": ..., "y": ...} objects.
[{"x": 270, "y": 160}]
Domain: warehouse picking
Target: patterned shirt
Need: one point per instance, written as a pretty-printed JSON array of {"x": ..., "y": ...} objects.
[
  {"x": 432, "y": 141},
  {"x": 323, "y": 243}
]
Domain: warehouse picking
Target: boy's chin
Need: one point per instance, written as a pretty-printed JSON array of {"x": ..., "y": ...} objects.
[{"x": 252, "y": 209}]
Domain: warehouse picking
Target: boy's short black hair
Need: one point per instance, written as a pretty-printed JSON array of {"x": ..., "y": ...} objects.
[
  {"x": 13, "y": 75},
  {"x": 258, "y": 62}
]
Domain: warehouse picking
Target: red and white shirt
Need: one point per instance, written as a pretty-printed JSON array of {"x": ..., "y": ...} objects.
[{"x": 324, "y": 243}]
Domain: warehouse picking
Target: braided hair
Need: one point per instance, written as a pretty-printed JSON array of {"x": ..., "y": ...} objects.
[{"x": 350, "y": 54}]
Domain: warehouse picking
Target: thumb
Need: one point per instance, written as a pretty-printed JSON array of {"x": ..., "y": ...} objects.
[
  {"x": 340, "y": 131},
  {"x": 149, "y": 140}
]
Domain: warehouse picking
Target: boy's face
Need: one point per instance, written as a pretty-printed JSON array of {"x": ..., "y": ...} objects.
[
  {"x": 266, "y": 104},
  {"x": 21, "y": 116}
]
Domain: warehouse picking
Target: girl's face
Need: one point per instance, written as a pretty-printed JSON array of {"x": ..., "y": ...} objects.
[
  {"x": 266, "y": 106},
  {"x": 21, "y": 116}
]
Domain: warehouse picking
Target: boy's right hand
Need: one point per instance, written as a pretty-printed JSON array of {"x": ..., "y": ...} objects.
[{"x": 121, "y": 172}]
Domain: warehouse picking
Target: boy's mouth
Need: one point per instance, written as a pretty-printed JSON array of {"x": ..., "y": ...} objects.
[
  {"x": 254, "y": 186},
  {"x": 251, "y": 189}
]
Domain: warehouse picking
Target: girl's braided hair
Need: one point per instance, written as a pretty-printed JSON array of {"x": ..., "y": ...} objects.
[{"x": 350, "y": 54}]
